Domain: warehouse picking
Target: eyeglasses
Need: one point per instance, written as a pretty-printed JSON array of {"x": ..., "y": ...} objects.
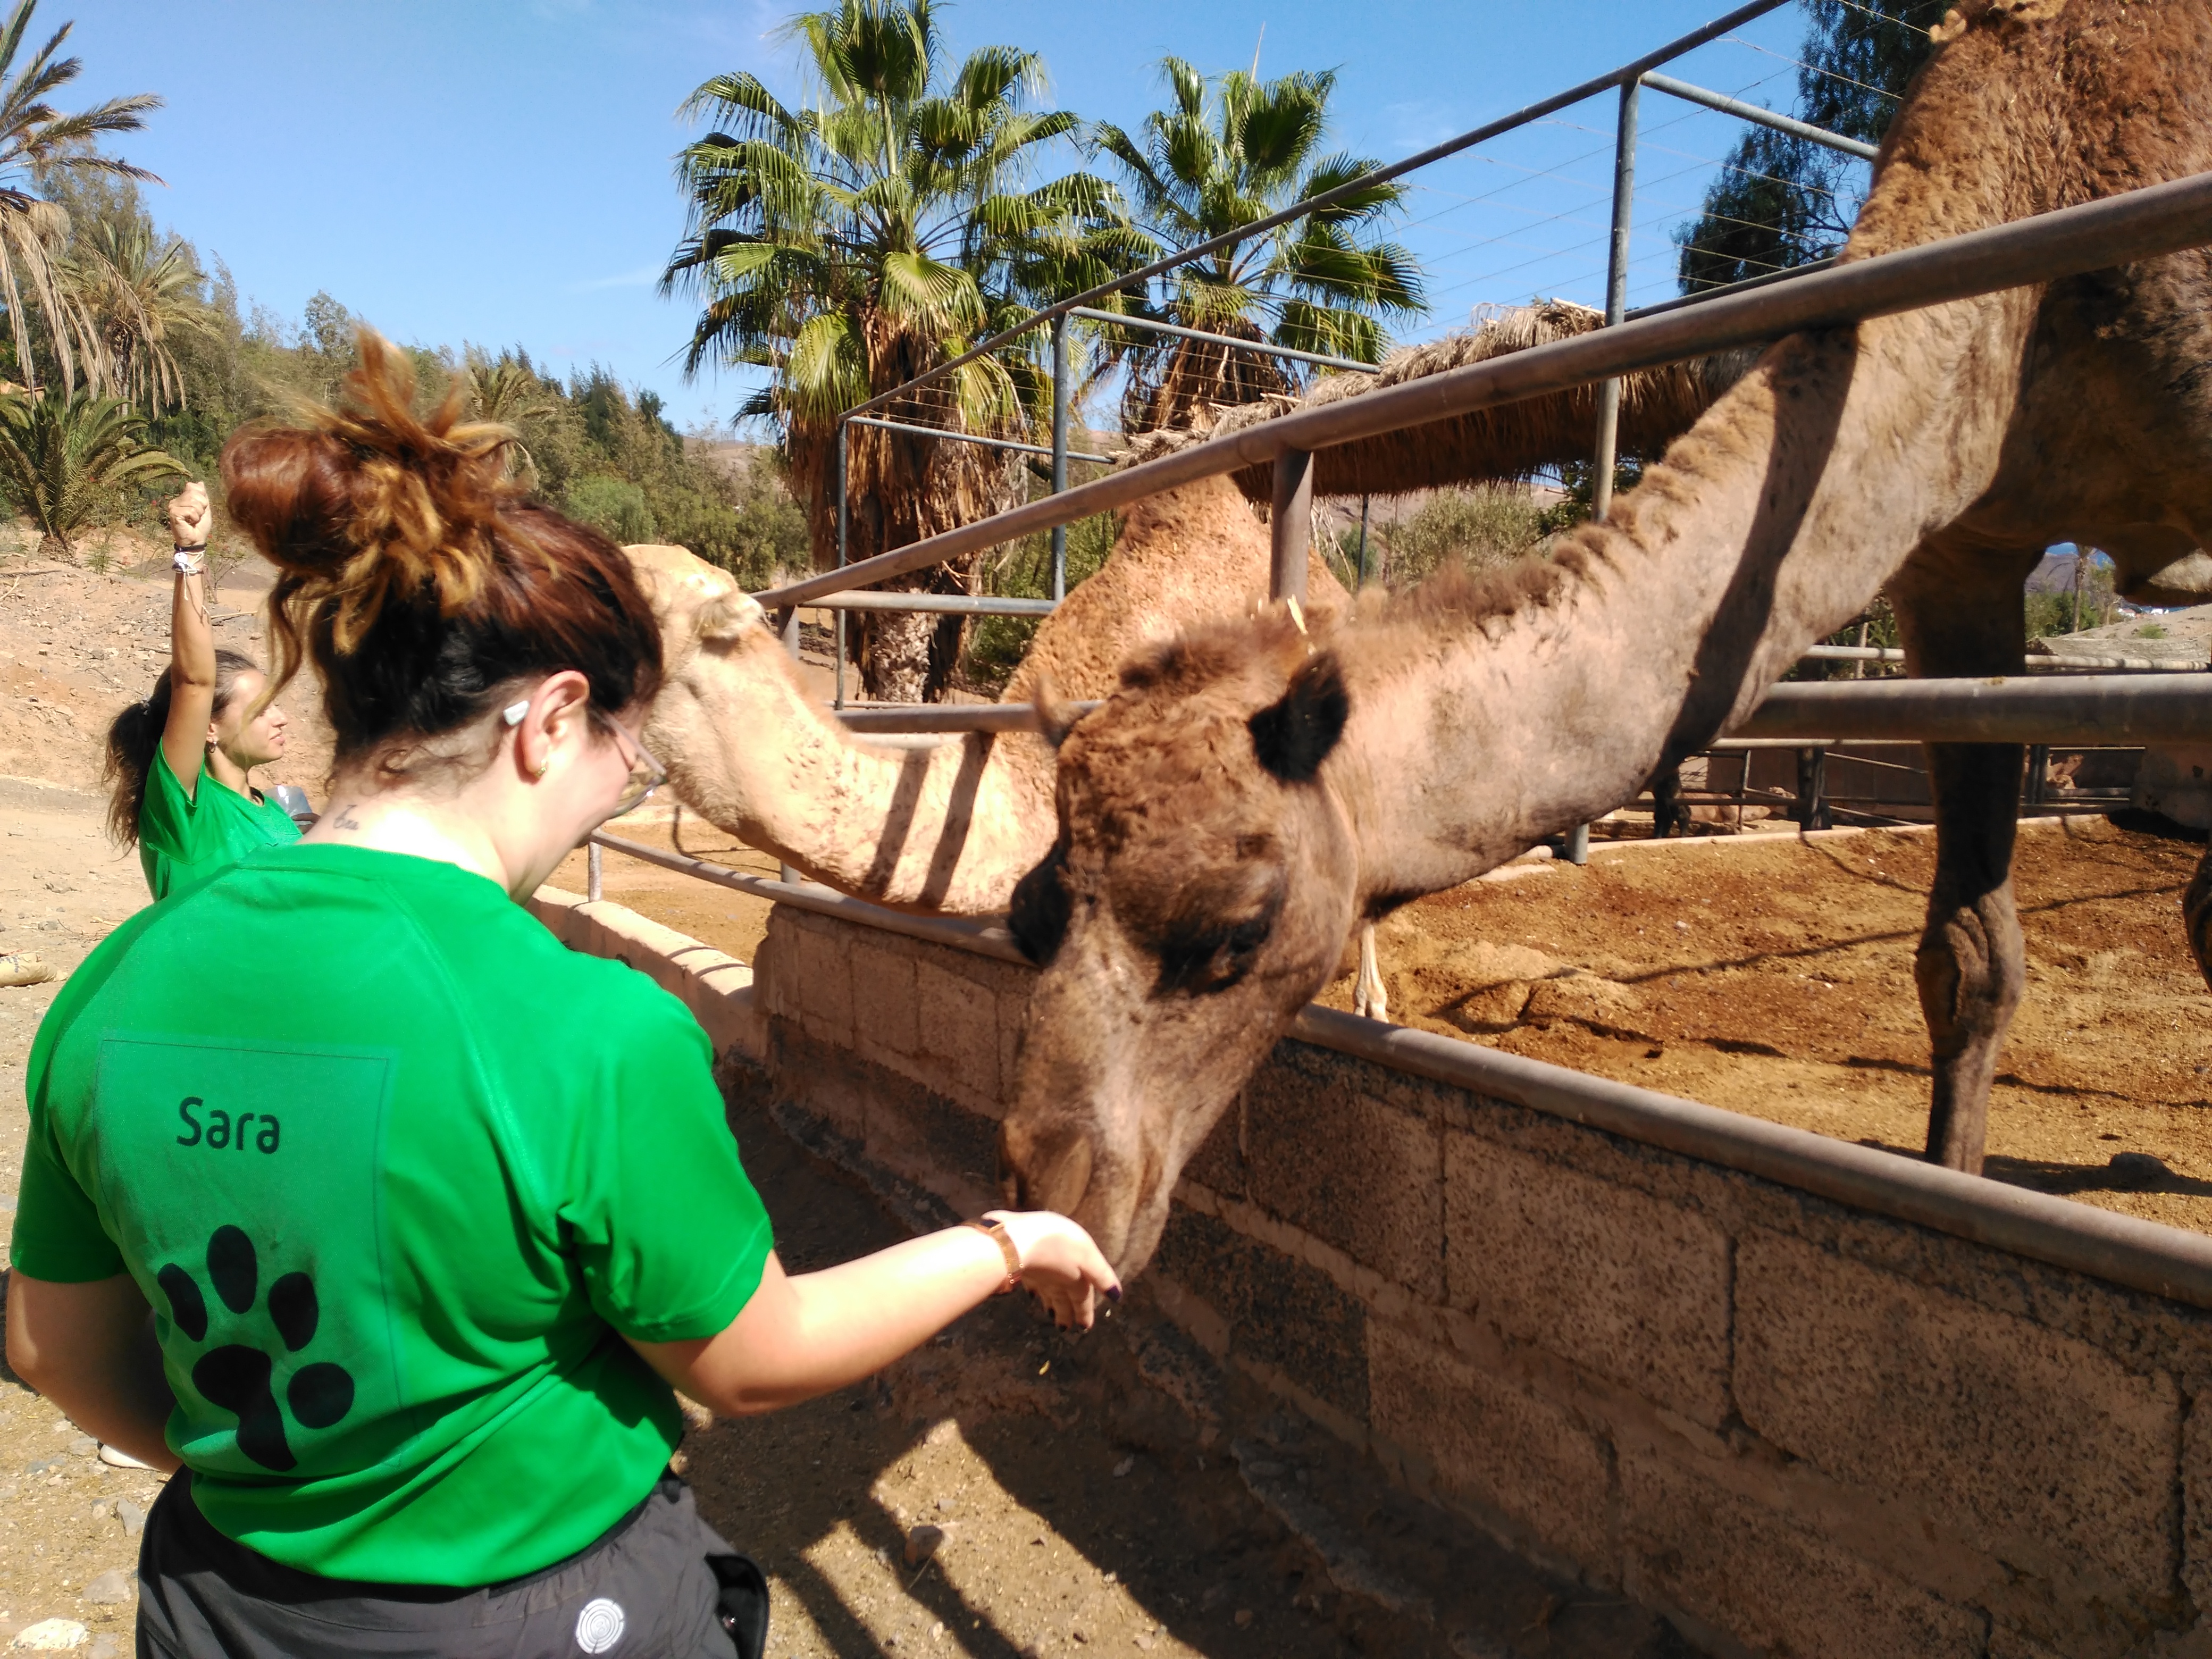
[{"x": 646, "y": 773}]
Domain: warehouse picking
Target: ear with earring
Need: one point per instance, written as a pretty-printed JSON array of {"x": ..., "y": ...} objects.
[{"x": 512, "y": 714}]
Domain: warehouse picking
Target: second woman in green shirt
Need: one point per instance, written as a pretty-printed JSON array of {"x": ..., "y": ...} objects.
[{"x": 182, "y": 760}]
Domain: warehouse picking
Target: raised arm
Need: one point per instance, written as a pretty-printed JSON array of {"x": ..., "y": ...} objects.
[
  {"x": 823, "y": 1331},
  {"x": 191, "y": 643}
]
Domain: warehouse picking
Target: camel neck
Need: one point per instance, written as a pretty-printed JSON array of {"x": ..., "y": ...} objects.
[{"x": 1492, "y": 714}]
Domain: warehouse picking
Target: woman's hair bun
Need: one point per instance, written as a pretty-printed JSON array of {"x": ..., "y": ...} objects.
[{"x": 366, "y": 504}]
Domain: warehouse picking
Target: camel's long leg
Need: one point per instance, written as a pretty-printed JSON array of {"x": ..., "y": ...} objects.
[
  {"x": 1959, "y": 610},
  {"x": 1369, "y": 996},
  {"x": 2197, "y": 915}
]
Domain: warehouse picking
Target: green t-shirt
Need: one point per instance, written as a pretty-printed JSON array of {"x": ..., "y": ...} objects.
[
  {"x": 182, "y": 838},
  {"x": 394, "y": 1168}
]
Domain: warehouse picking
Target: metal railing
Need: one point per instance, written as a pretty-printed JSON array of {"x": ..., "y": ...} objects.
[
  {"x": 2071, "y": 241},
  {"x": 1627, "y": 79}
]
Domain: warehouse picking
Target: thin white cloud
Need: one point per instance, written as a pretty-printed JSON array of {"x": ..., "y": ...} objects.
[
  {"x": 1418, "y": 123},
  {"x": 643, "y": 276}
]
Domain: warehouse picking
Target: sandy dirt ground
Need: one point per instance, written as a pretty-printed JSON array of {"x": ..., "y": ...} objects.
[{"x": 1773, "y": 977}]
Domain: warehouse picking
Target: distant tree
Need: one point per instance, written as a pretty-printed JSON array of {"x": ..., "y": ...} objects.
[
  {"x": 35, "y": 137},
  {"x": 1328, "y": 282},
  {"x": 849, "y": 243},
  {"x": 138, "y": 298},
  {"x": 1781, "y": 202},
  {"x": 65, "y": 458}
]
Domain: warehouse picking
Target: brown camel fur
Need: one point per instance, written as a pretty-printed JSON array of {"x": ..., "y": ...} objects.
[
  {"x": 948, "y": 828},
  {"x": 1252, "y": 789},
  {"x": 1514, "y": 440}
]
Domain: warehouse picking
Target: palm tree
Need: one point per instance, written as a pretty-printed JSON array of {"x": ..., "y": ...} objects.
[
  {"x": 34, "y": 137},
  {"x": 137, "y": 299},
  {"x": 1326, "y": 283},
  {"x": 505, "y": 390},
  {"x": 850, "y": 243},
  {"x": 64, "y": 455}
]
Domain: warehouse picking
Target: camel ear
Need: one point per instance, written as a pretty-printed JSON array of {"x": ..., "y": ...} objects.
[
  {"x": 726, "y": 615},
  {"x": 1054, "y": 718},
  {"x": 1293, "y": 736}
]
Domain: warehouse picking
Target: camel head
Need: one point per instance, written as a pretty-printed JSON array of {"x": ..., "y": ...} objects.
[
  {"x": 1200, "y": 890},
  {"x": 691, "y": 601}
]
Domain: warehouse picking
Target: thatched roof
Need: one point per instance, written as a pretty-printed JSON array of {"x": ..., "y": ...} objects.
[{"x": 1515, "y": 440}]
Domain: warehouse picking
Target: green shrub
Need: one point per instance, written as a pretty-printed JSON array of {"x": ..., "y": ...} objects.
[
  {"x": 1477, "y": 529},
  {"x": 614, "y": 506}
]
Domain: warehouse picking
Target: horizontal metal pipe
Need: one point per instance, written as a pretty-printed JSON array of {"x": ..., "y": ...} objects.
[
  {"x": 952, "y": 717},
  {"x": 2091, "y": 236},
  {"x": 969, "y": 438},
  {"x": 1482, "y": 134},
  {"x": 1765, "y": 117},
  {"x": 2053, "y": 663},
  {"x": 2113, "y": 710},
  {"x": 1768, "y": 279},
  {"x": 1260, "y": 346},
  {"x": 2142, "y": 1255},
  {"x": 951, "y": 605},
  {"x": 983, "y": 939},
  {"x": 1849, "y": 653},
  {"x": 2121, "y": 709}
]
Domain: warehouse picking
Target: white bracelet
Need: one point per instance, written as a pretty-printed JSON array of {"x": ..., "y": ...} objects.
[{"x": 190, "y": 560}]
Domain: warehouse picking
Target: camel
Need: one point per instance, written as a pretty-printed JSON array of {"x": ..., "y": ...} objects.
[
  {"x": 951, "y": 826},
  {"x": 950, "y": 829},
  {"x": 1253, "y": 788}
]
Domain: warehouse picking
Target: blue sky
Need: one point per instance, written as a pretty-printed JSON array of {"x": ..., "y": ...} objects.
[{"x": 498, "y": 171}]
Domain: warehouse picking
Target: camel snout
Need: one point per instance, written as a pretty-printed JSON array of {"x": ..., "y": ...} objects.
[{"x": 1040, "y": 1174}]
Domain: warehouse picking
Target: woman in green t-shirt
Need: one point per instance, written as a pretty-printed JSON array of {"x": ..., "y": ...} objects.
[
  {"x": 429, "y": 1212},
  {"x": 182, "y": 761}
]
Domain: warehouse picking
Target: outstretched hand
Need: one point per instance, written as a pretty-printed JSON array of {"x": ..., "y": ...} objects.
[
  {"x": 190, "y": 516},
  {"x": 1060, "y": 1265}
]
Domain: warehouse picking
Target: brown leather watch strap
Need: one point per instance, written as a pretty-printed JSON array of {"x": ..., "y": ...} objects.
[{"x": 996, "y": 1232}]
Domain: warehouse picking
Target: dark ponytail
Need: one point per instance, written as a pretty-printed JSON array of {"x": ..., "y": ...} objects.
[{"x": 135, "y": 733}]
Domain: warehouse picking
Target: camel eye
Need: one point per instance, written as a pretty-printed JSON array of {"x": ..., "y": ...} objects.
[
  {"x": 1209, "y": 959},
  {"x": 1037, "y": 917},
  {"x": 1212, "y": 936}
]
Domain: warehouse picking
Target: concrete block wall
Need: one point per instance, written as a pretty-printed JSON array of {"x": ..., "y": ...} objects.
[
  {"x": 1795, "y": 1427},
  {"x": 715, "y": 986}
]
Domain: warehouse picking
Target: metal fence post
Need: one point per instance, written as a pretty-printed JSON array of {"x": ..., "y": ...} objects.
[
  {"x": 1362, "y": 579},
  {"x": 1616, "y": 296},
  {"x": 1290, "y": 525},
  {"x": 592, "y": 859},
  {"x": 1616, "y": 306},
  {"x": 789, "y": 627},
  {"x": 843, "y": 430},
  {"x": 1059, "y": 452},
  {"x": 1811, "y": 779}
]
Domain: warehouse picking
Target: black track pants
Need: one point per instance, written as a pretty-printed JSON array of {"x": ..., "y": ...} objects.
[{"x": 662, "y": 1583}]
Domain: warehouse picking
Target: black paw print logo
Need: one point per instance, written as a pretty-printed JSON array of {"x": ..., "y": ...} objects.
[{"x": 238, "y": 1378}]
